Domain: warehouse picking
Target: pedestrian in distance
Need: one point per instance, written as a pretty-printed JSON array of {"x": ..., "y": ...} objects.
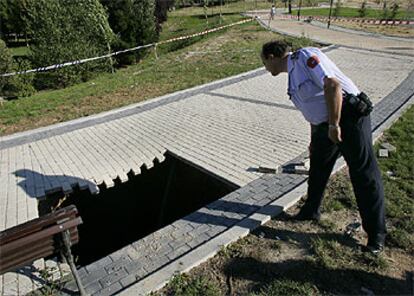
[
  {"x": 272, "y": 12},
  {"x": 340, "y": 125}
]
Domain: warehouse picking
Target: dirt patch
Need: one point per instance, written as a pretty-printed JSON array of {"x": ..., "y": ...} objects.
[{"x": 283, "y": 249}]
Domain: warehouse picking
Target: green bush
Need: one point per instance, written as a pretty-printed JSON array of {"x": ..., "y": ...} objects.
[
  {"x": 362, "y": 12},
  {"x": 394, "y": 10},
  {"x": 13, "y": 86},
  {"x": 134, "y": 23},
  {"x": 337, "y": 10},
  {"x": 385, "y": 10},
  {"x": 67, "y": 30},
  {"x": 161, "y": 11}
]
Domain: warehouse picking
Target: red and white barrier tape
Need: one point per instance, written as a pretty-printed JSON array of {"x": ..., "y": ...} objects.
[
  {"x": 57, "y": 66},
  {"x": 358, "y": 20}
]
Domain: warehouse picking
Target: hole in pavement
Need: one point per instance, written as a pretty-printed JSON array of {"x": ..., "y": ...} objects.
[{"x": 129, "y": 211}]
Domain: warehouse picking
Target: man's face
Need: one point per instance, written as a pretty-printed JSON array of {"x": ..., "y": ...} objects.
[{"x": 272, "y": 64}]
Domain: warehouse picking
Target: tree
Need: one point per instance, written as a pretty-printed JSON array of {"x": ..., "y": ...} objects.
[
  {"x": 11, "y": 18},
  {"x": 362, "y": 12},
  {"x": 161, "y": 11},
  {"x": 394, "y": 10},
  {"x": 12, "y": 86},
  {"x": 205, "y": 5},
  {"x": 133, "y": 22},
  {"x": 337, "y": 10},
  {"x": 67, "y": 30},
  {"x": 385, "y": 10}
]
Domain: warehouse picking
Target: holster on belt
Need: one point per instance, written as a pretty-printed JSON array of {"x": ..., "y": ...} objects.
[{"x": 360, "y": 105}]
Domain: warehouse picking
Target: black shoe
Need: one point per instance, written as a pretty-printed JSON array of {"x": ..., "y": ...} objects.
[
  {"x": 375, "y": 249},
  {"x": 305, "y": 217},
  {"x": 375, "y": 244}
]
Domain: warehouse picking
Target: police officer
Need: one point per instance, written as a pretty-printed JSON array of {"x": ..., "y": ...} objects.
[{"x": 320, "y": 90}]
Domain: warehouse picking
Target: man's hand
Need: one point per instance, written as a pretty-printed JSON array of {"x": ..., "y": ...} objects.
[{"x": 334, "y": 134}]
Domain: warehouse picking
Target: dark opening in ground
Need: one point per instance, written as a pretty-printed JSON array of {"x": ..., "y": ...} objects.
[{"x": 129, "y": 211}]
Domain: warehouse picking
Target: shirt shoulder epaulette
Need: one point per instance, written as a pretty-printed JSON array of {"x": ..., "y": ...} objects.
[{"x": 295, "y": 55}]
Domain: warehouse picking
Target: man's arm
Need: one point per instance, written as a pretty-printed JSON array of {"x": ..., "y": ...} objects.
[{"x": 333, "y": 97}]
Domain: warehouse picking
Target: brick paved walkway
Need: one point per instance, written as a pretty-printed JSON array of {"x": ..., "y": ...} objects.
[
  {"x": 385, "y": 44},
  {"x": 225, "y": 127}
]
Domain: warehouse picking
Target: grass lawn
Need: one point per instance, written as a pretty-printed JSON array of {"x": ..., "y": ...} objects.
[
  {"x": 353, "y": 12},
  {"x": 285, "y": 257},
  {"x": 19, "y": 51},
  {"x": 233, "y": 7},
  {"x": 179, "y": 66}
]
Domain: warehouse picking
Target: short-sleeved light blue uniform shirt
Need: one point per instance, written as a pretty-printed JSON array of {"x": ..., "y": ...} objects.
[{"x": 307, "y": 69}]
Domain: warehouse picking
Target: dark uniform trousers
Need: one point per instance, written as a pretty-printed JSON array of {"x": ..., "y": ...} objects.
[{"x": 357, "y": 149}]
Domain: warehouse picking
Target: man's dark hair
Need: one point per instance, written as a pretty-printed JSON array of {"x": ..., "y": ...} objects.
[{"x": 276, "y": 48}]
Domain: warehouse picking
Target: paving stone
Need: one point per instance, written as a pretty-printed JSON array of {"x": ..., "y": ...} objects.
[
  {"x": 257, "y": 189},
  {"x": 257, "y": 182},
  {"x": 158, "y": 261},
  {"x": 261, "y": 196},
  {"x": 274, "y": 189},
  {"x": 132, "y": 278},
  {"x": 90, "y": 278},
  {"x": 194, "y": 217},
  {"x": 225, "y": 221},
  {"x": 198, "y": 239},
  {"x": 181, "y": 232},
  {"x": 178, "y": 252},
  {"x": 383, "y": 153},
  {"x": 184, "y": 226},
  {"x": 83, "y": 272},
  {"x": 91, "y": 288},
  {"x": 118, "y": 264},
  {"x": 232, "y": 216},
  {"x": 11, "y": 289},
  {"x": 158, "y": 245},
  {"x": 132, "y": 253},
  {"x": 101, "y": 263},
  {"x": 135, "y": 267},
  {"x": 108, "y": 291},
  {"x": 113, "y": 278},
  {"x": 176, "y": 243}
]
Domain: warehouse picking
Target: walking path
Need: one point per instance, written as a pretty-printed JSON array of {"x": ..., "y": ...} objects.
[
  {"x": 361, "y": 32},
  {"x": 225, "y": 128},
  {"x": 348, "y": 38}
]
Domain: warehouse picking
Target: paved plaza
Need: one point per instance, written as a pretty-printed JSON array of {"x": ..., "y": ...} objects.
[
  {"x": 226, "y": 127},
  {"x": 345, "y": 37}
]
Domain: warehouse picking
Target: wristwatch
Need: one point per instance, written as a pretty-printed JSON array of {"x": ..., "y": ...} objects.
[{"x": 334, "y": 126}]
